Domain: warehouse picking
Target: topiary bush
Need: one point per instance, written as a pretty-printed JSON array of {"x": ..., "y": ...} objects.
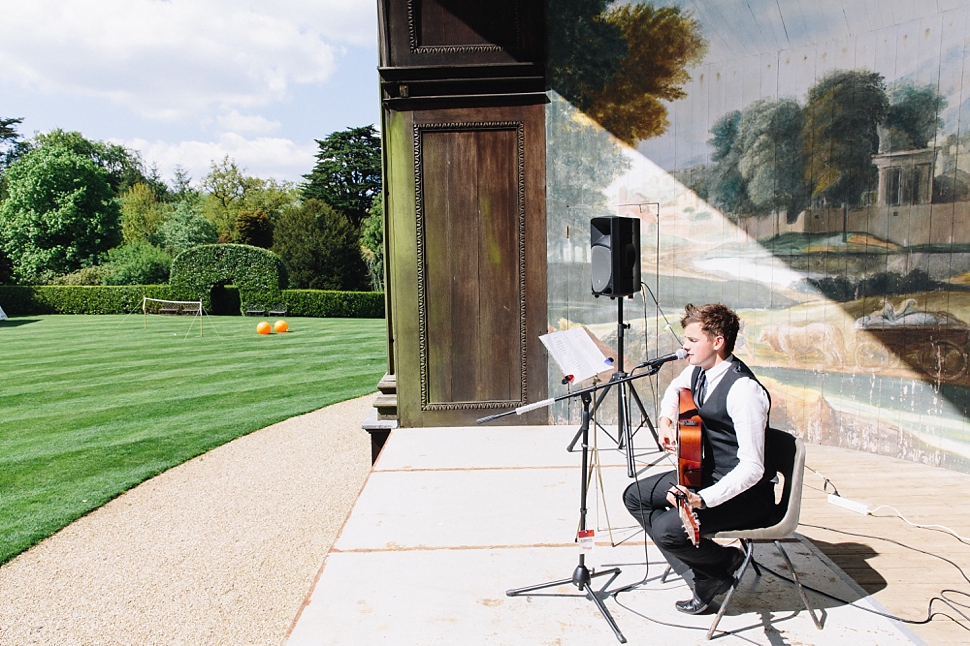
[{"x": 258, "y": 273}]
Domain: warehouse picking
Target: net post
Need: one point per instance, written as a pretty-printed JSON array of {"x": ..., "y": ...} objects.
[{"x": 144, "y": 311}]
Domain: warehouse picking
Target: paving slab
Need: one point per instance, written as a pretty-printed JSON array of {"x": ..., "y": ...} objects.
[{"x": 451, "y": 519}]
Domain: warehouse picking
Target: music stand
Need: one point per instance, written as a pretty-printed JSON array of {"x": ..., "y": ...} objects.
[
  {"x": 624, "y": 439},
  {"x": 582, "y": 575}
]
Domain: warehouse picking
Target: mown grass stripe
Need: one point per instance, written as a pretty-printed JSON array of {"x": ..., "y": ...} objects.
[{"x": 93, "y": 405}]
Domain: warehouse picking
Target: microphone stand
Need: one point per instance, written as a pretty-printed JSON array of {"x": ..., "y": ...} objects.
[
  {"x": 625, "y": 433},
  {"x": 582, "y": 576}
]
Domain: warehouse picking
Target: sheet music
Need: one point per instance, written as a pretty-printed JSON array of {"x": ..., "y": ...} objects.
[{"x": 576, "y": 354}]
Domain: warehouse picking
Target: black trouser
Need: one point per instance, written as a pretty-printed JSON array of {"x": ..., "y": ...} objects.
[{"x": 647, "y": 502}]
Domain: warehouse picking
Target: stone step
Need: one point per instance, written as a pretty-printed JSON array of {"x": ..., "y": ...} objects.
[{"x": 388, "y": 384}]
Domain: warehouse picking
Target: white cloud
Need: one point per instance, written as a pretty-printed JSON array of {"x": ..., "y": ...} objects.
[
  {"x": 178, "y": 59},
  {"x": 246, "y": 123},
  {"x": 264, "y": 157}
]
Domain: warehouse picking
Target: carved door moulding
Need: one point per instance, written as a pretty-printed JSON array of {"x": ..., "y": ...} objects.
[{"x": 424, "y": 345}]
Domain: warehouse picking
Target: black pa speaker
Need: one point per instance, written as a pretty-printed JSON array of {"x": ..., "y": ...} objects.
[{"x": 615, "y": 254}]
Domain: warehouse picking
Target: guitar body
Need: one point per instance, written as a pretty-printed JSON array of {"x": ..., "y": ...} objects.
[{"x": 689, "y": 454}]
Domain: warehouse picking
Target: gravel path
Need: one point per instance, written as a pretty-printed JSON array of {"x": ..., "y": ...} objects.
[{"x": 219, "y": 550}]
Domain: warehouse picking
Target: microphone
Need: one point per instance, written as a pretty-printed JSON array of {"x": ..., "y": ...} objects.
[{"x": 658, "y": 361}]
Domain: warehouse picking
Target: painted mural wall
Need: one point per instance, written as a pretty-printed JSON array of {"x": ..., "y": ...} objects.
[{"x": 806, "y": 162}]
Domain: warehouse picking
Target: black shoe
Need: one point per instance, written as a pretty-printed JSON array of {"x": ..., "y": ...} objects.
[{"x": 700, "y": 601}]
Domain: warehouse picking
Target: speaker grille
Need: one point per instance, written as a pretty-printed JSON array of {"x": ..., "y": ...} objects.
[{"x": 602, "y": 266}]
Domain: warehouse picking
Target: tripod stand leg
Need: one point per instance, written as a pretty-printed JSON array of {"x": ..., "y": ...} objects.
[
  {"x": 539, "y": 586},
  {"x": 599, "y": 400},
  {"x": 581, "y": 579},
  {"x": 581, "y": 574},
  {"x": 646, "y": 418},
  {"x": 606, "y": 613}
]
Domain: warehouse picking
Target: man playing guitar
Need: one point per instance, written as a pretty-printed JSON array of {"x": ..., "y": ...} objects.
[{"x": 734, "y": 491}]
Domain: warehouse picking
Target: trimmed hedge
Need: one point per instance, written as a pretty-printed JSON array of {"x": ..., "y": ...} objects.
[
  {"x": 258, "y": 273},
  {"x": 77, "y": 299},
  {"x": 324, "y": 303},
  {"x": 122, "y": 299}
]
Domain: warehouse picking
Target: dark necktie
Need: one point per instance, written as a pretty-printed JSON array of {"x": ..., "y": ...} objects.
[{"x": 701, "y": 388}]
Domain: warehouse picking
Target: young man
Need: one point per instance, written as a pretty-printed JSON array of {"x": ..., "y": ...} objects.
[{"x": 735, "y": 493}]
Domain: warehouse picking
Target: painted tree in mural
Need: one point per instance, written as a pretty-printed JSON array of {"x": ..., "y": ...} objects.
[
  {"x": 586, "y": 161},
  {"x": 662, "y": 43},
  {"x": 618, "y": 65},
  {"x": 726, "y": 190},
  {"x": 913, "y": 119},
  {"x": 771, "y": 158},
  {"x": 842, "y": 116},
  {"x": 583, "y": 49}
]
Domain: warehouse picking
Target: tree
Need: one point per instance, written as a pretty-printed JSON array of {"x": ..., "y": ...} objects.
[
  {"x": 254, "y": 228},
  {"x": 60, "y": 214},
  {"x": 320, "y": 248},
  {"x": 771, "y": 159},
  {"x": 842, "y": 115},
  {"x": 137, "y": 263},
  {"x": 10, "y": 141},
  {"x": 11, "y": 147},
  {"x": 8, "y": 131},
  {"x": 347, "y": 175},
  {"x": 184, "y": 228},
  {"x": 181, "y": 182},
  {"x": 372, "y": 244},
  {"x": 141, "y": 214},
  {"x": 124, "y": 166},
  {"x": 228, "y": 187},
  {"x": 914, "y": 116}
]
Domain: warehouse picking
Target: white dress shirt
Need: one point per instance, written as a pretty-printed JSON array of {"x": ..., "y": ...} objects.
[{"x": 747, "y": 404}]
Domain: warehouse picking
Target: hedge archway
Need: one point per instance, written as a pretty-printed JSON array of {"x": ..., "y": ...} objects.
[{"x": 258, "y": 273}]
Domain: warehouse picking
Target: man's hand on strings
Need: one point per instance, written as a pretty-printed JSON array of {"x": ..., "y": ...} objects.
[
  {"x": 679, "y": 491},
  {"x": 668, "y": 437}
]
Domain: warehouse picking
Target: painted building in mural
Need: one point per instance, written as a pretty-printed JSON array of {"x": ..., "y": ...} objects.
[{"x": 806, "y": 163}]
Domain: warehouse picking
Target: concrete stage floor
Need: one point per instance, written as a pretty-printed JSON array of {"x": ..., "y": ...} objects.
[{"x": 451, "y": 518}]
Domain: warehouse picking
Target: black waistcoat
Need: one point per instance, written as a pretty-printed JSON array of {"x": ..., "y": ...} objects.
[{"x": 720, "y": 441}]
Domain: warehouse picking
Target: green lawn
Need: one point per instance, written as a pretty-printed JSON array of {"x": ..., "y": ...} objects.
[{"x": 92, "y": 405}]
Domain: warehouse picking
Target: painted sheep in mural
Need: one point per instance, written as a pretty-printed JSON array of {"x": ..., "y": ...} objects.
[
  {"x": 907, "y": 314},
  {"x": 799, "y": 341},
  {"x": 934, "y": 341}
]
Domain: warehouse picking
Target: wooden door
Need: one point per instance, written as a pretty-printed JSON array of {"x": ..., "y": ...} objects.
[{"x": 471, "y": 235}]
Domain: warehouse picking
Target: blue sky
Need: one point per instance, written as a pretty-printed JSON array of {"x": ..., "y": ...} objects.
[{"x": 189, "y": 81}]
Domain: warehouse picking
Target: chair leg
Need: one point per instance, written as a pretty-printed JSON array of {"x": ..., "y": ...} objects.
[
  {"x": 666, "y": 573},
  {"x": 754, "y": 564},
  {"x": 748, "y": 554},
  {"x": 798, "y": 585}
]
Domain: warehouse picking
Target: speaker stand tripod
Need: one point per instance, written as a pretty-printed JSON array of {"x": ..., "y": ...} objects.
[
  {"x": 625, "y": 391},
  {"x": 582, "y": 575}
]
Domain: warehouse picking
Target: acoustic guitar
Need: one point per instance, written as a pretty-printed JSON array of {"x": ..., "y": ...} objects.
[{"x": 689, "y": 453}]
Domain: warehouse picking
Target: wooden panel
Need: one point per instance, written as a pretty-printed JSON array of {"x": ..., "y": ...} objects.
[
  {"x": 461, "y": 32},
  {"x": 471, "y": 214},
  {"x": 471, "y": 26},
  {"x": 467, "y": 220}
]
